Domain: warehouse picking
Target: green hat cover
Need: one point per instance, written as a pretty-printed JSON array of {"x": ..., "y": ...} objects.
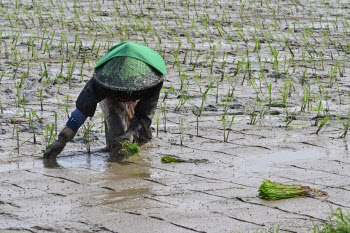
[{"x": 130, "y": 67}]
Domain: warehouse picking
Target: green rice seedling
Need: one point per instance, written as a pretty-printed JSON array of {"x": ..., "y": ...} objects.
[
  {"x": 224, "y": 126},
  {"x": 269, "y": 88},
  {"x": 64, "y": 108},
  {"x": 332, "y": 75},
  {"x": 41, "y": 99},
  {"x": 17, "y": 137},
  {"x": 34, "y": 114},
  {"x": 170, "y": 159},
  {"x": 345, "y": 124},
  {"x": 257, "y": 47},
  {"x": 49, "y": 134},
  {"x": 323, "y": 122},
  {"x": 204, "y": 97},
  {"x": 303, "y": 78},
  {"x": 31, "y": 125},
  {"x": 1, "y": 108},
  {"x": 339, "y": 93},
  {"x": 3, "y": 74},
  {"x": 319, "y": 109},
  {"x": 196, "y": 111},
  {"x": 131, "y": 149},
  {"x": 196, "y": 61},
  {"x": 87, "y": 135},
  {"x": 339, "y": 222},
  {"x": 253, "y": 116},
  {"x": 270, "y": 190},
  {"x": 253, "y": 84},
  {"x": 156, "y": 116},
  {"x": 23, "y": 101},
  {"x": 101, "y": 117},
  {"x": 163, "y": 108},
  {"x": 71, "y": 67},
  {"x": 166, "y": 93},
  {"x": 275, "y": 54},
  {"x": 56, "y": 118},
  {"x": 305, "y": 100},
  {"x": 17, "y": 85}
]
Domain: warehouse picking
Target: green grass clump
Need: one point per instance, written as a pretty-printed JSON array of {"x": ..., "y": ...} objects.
[
  {"x": 169, "y": 159},
  {"x": 270, "y": 190},
  {"x": 339, "y": 222},
  {"x": 131, "y": 149}
]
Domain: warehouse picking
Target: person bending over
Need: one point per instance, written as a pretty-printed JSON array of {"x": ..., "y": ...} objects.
[{"x": 126, "y": 83}]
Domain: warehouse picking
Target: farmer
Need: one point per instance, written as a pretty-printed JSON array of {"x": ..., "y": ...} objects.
[{"x": 126, "y": 82}]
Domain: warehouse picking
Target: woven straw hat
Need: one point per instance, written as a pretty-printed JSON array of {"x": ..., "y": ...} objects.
[
  {"x": 127, "y": 74},
  {"x": 129, "y": 67}
]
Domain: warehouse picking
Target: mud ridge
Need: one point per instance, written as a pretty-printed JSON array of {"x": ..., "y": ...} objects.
[
  {"x": 189, "y": 174},
  {"x": 48, "y": 229},
  {"x": 9, "y": 215},
  {"x": 238, "y": 219},
  {"x": 154, "y": 181},
  {"x": 313, "y": 183},
  {"x": 277, "y": 208},
  {"x": 108, "y": 188},
  {"x": 187, "y": 228},
  {"x": 154, "y": 199},
  {"x": 311, "y": 144},
  {"x": 334, "y": 203},
  {"x": 163, "y": 220},
  {"x": 106, "y": 229},
  {"x": 133, "y": 213},
  {"x": 57, "y": 177},
  {"x": 58, "y": 194},
  {"x": 16, "y": 229},
  {"x": 318, "y": 170}
]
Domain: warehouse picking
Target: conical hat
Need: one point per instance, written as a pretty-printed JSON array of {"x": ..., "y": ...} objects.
[
  {"x": 130, "y": 67},
  {"x": 127, "y": 74}
]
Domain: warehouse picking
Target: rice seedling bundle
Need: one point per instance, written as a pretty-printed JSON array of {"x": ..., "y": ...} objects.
[
  {"x": 270, "y": 190},
  {"x": 169, "y": 159},
  {"x": 131, "y": 149}
]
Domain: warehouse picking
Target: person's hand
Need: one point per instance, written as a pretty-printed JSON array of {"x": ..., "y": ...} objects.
[
  {"x": 54, "y": 149},
  {"x": 126, "y": 137},
  {"x": 117, "y": 146}
]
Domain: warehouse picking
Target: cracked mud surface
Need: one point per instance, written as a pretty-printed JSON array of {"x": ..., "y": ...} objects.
[{"x": 217, "y": 190}]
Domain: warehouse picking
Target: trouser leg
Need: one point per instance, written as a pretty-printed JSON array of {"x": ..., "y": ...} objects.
[{"x": 117, "y": 116}]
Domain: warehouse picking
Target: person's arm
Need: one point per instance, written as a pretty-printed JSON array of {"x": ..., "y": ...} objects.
[
  {"x": 85, "y": 106},
  {"x": 144, "y": 112}
]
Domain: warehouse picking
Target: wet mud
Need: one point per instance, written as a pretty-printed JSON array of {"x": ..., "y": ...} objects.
[{"x": 254, "y": 90}]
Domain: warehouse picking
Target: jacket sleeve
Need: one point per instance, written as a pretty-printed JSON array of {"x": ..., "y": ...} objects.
[
  {"x": 89, "y": 97},
  {"x": 144, "y": 111}
]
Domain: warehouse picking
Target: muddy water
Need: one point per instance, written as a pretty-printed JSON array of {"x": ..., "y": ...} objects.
[
  {"x": 269, "y": 161},
  {"x": 69, "y": 189},
  {"x": 217, "y": 191}
]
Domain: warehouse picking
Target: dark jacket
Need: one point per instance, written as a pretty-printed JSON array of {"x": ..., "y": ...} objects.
[{"x": 93, "y": 93}]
